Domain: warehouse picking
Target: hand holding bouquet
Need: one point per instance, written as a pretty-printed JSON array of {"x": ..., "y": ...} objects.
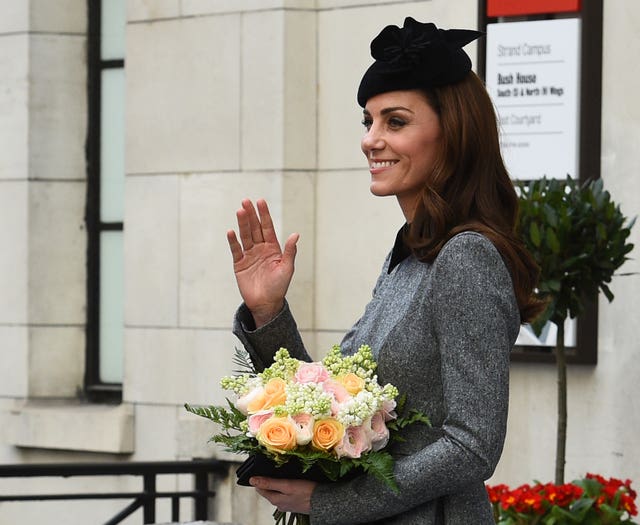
[{"x": 330, "y": 418}]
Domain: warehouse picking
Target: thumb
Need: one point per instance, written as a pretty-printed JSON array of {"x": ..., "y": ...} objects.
[{"x": 290, "y": 248}]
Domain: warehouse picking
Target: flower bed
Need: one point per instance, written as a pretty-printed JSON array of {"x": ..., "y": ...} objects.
[{"x": 592, "y": 500}]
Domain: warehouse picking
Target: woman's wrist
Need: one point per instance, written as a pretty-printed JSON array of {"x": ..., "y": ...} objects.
[{"x": 264, "y": 315}]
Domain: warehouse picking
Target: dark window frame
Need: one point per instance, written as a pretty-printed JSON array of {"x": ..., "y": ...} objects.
[
  {"x": 94, "y": 388},
  {"x": 586, "y": 350}
]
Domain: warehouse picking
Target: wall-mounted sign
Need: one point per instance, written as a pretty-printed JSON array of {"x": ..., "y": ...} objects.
[
  {"x": 497, "y": 8},
  {"x": 532, "y": 75}
]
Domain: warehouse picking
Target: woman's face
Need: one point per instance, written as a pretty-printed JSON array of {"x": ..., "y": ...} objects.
[{"x": 401, "y": 143}]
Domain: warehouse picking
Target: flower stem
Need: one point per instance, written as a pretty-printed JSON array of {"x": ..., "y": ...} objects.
[{"x": 294, "y": 518}]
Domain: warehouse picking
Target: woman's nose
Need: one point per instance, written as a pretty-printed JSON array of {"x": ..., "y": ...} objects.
[{"x": 372, "y": 140}]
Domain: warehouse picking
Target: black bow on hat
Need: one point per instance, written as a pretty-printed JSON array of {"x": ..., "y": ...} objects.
[{"x": 416, "y": 56}]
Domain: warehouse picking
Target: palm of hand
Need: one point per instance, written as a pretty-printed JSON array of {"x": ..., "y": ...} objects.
[
  {"x": 263, "y": 271},
  {"x": 262, "y": 275}
]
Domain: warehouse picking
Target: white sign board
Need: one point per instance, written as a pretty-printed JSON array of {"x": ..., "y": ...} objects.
[{"x": 532, "y": 75}]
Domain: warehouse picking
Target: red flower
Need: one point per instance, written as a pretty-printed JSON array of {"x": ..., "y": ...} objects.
[
  {"x": 613, "y": 487},
  {"x": 561, "y": 495},
  {"x": 507, "y": 500},
  {"x": 496, "y": 492},
  {"x": 627, "y": 503},
  {"x": 597, "y": 477}
]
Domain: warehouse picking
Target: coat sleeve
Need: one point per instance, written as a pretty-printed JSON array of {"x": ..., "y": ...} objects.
[
  {"x": 475, "y": 320},
  {"x": 264, "y": 342}
]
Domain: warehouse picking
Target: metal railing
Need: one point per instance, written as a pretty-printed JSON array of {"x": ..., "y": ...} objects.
[{"x": 145, "y": 499}]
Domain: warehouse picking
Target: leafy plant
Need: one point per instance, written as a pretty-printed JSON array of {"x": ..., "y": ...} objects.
[{"x": 578, "y": 237}]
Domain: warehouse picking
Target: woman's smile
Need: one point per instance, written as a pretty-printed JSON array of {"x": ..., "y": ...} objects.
[{"x": 378, "y": 166}]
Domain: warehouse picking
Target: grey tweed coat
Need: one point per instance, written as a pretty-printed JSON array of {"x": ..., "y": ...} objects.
[{"x": 441, "y": 333}]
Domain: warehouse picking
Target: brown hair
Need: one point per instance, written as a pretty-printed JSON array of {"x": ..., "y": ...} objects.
[{"x": 470, "y": 189}]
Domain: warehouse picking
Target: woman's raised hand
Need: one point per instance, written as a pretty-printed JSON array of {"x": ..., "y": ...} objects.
[{"x": 263, "y": 270}]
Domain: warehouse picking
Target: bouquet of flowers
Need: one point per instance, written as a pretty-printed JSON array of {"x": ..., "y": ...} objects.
[
  {"x": 325, "y": 419},
  {"x": 593, "y": 500}
]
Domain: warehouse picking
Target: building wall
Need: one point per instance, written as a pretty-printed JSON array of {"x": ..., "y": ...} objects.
[
  {"x": 41, "y": 184},
  {"x": 229, "y": 99}
]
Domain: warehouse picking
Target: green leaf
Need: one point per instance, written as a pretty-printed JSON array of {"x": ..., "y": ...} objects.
[
  {"x": 563, "y": 516},
  {"x": 606, "y": 291},
  {"x": 534, "y": 234},
  {"x": 380, "y": 465},
  {"x": 554, "y": 285},
  {"x": 414, "y": 416},
  {"x": 601, "y": 232},
  {"x": 242, "y": 360},
  {"x": 539, "y": 322},
  {"x": 552, "y": 241},
  {"x": 550, "y": 215}
]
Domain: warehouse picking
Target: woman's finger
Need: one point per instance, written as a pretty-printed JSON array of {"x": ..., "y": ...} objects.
[
  {"x": 254, "y": 221},
  {"x": 268, "y": 231},
  {"x": 245, "y": 229},
  {"x": 290, "y": 250},
  {"x": 234, "y": 246}
]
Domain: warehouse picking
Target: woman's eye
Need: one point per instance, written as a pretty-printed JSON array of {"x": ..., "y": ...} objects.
[
  {"x": 396, "y": 122},
  {"x": 367, "y": 123}
]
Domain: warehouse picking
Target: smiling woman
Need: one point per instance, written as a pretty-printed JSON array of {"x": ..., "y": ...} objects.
[{"x": 447, "y": 306}]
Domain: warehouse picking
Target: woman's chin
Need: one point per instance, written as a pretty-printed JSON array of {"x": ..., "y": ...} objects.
[{"x": 376, "y": 190}]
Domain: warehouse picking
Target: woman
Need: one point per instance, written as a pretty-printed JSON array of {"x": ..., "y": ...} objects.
[{"x": 448, "y": 304}]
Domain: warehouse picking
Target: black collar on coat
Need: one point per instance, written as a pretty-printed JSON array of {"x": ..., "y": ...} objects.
[{"x": 400, "y": 249}]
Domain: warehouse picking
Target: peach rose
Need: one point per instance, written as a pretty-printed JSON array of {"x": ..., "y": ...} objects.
[
  {"x": 273, "y": 394},
  {"x": 304, "y": 428},
  {"x": 255, "y": 420},
  {"x": 355, "y": 441},
  {"x": 278, "y": 434},
  {"x": 352, "y": 383},
  {"x": 254, "y": 396},
  {"x": 311, "y": 373},
  {"x": 327, "y": 433}
]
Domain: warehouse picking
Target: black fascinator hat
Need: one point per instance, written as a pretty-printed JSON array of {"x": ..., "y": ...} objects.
[{"x": 416, "y": 56}]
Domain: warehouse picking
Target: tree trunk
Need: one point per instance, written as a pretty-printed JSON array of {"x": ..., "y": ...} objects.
[{"x": 561, "y": 437}]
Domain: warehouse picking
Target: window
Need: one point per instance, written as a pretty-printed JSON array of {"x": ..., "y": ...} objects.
[{"x": 105, "y": 199}]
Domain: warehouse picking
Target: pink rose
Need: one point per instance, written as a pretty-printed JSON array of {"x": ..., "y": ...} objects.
[
  {"x": 389, "y": 409},
  {"x": 377, "y": 430},
  {"x": 304, "y": 428},
  {"x": 311, "y": 373},
  {"x": 338, "y": 393},
  {"x": 354, "y": 443},
  {"x": 255, "y": 420}
]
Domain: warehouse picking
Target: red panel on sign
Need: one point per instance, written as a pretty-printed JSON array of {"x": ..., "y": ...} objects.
[{"x": 530, "y": 7}]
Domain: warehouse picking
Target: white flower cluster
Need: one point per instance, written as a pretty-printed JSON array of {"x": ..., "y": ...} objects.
[
  {"x": 307, "y": 398},
  {"x": 356, "y": 410},
  {"x": 361, "y": 363},
  {"x": 238, "y": 384},
  {"x": 284, "y": 366}
]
